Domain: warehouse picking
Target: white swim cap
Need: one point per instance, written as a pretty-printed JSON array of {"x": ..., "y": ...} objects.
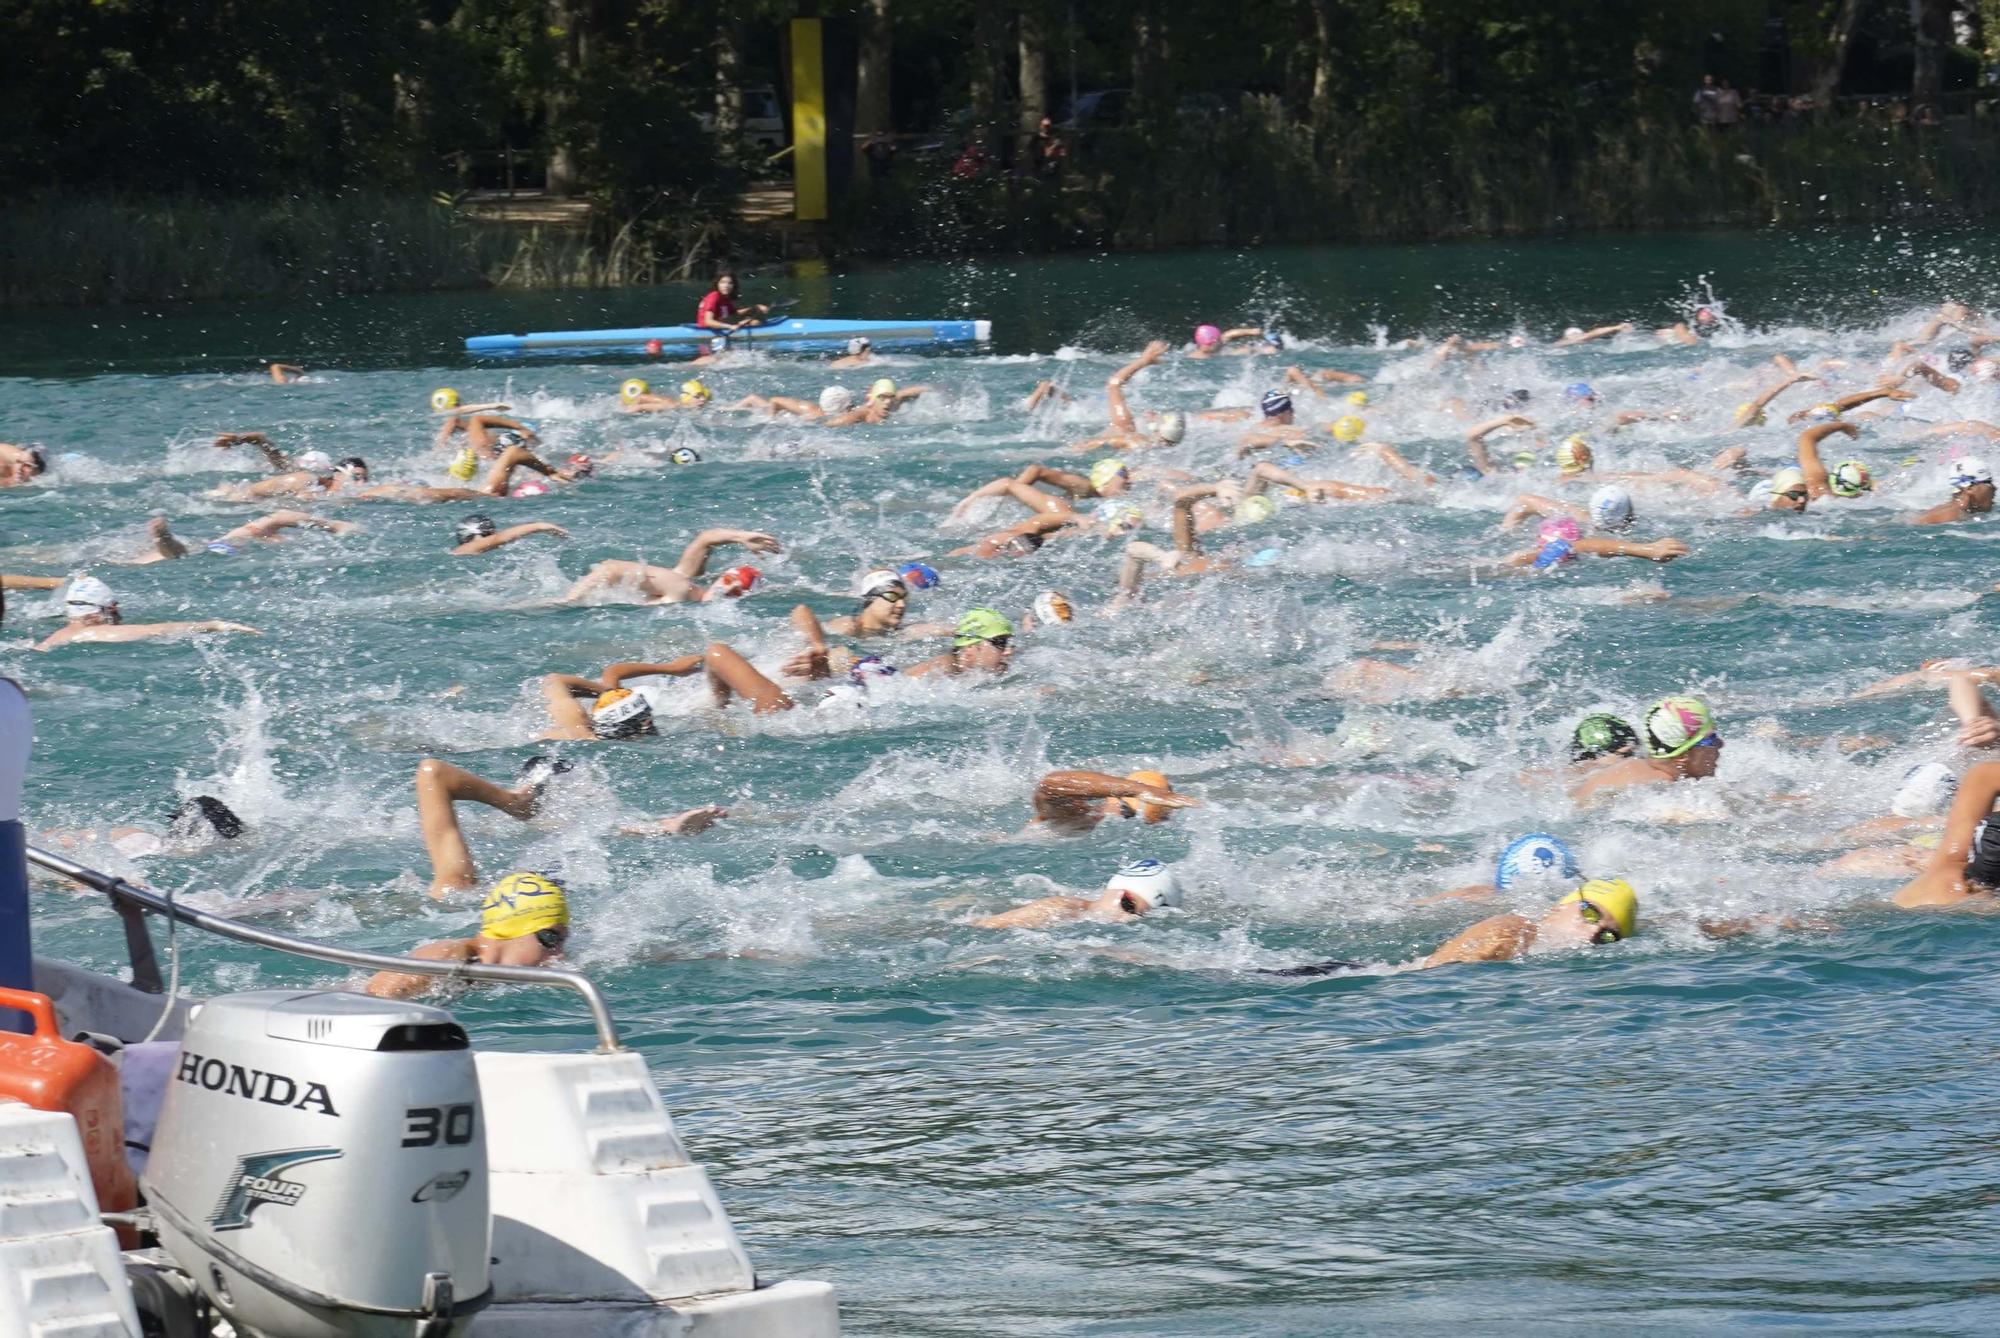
[
  {"x": 1927, "y": 788},
  {"x": 836, "y": 399},
  {"x": 1150, "y": 881},
  {"x": 1968, "y": 471},
  {"x": 1051, "y": 607},
  {"x": 1517, "y": 341},
  {"x": 1574, "y": 332},
  {"x": 875, "y": 582},
  {"x": 1611, "y": 508},
  {"x": 1172, "y": 426},
  {"x": 87, "y": 595},
  {"x": 1787, "y": 479},
  {"x": 316, "y": 462},
  {"x": 1536, "y": 860}
]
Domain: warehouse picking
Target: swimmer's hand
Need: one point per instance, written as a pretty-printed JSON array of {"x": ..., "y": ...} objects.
[
  {"x": 1662, "y": 550},
  {"x": 1168, "y": 799},
  {"x": 1982, "y": 731},
  {"x": 218, "y": 625},
  {"x": 694, "y": 821},
  {"x": 757, "y": 541}
]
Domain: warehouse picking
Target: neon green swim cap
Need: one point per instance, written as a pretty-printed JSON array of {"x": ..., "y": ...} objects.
[
  {"x": 1251, "y": 510},
  {"x": 981, "y": 624},
  {"x": 1104, "y": 471}
]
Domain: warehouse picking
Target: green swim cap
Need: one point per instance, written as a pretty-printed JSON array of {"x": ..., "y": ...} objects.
[
  {"x": 1104, "y": 471},
  {"x": 979, "y": 625},
  {"x": 1251, "y": 510},
  {"x": 1600, "y": 736}
]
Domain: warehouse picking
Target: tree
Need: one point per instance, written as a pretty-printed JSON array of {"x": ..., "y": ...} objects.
[
  {"x": 1845, "y": 21},
  {"x": 1034, "y": 82},
  {"x": 1931, "y": 20},
  {"x": 872, "y": 115}
]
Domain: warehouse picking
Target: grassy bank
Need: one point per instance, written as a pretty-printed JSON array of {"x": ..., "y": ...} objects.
[{"x": 1242, "y": 179}]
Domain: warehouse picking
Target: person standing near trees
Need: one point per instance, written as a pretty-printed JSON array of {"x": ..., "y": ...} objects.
[
  {"x": 1728, "y": 106},
  {"x": 1047, "y": 151},
  {"x": 1707, "y": 101}
]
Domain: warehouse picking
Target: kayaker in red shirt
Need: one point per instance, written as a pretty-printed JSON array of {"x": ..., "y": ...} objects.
[{"x": 718, "y": 309}]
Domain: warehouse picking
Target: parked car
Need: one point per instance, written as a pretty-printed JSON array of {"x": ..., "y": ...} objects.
[
  {"x": 763, "y": 118},
  {"x": 1100, "y": 107}
]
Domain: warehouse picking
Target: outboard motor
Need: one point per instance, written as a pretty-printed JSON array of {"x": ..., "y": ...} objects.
[{"x": 319, "y": 1167}]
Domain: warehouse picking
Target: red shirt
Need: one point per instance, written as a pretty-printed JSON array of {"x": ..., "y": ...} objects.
[{"x": 716, "y": 305}]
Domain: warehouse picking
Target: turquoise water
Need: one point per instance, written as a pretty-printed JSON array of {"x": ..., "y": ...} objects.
[{"x": 1119, "y": 1129}]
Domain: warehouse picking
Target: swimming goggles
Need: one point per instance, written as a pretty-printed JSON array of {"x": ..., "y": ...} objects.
[{"x": 1606, "y": 933}]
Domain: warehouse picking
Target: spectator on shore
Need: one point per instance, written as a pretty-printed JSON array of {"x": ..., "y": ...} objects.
[
  {"x": 1047, "y": 151},
  {"x": 1707, "y": 101},
  {"x": 972, "y": 160},
  {"x": 1728, "y": 106}
]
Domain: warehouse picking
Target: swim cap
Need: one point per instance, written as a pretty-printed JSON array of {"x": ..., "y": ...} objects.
[
  {"x": 1536, "y": 860},
  {"x": 632, "y": 390},
  {"x": 1514, "y": 399},
  {"x": 1573, "y": 455},
  {"x": 463, "y": 465},
  {"x": 1358, "y": 398},
  {"x": 1559, "y": 528},
  {"x": 620, "y": 714},
  {"x": 1522, "y": 459},
  {"x": 1602, "y": 736},
  {"x": 1823, "y": 411},
  {"x": 836, "y": 399},
  {"x": 1207, "y": 336},
  {"x": 1850, "y": 478},
  {"x": 654, "y": 348},
  {"x": 1347, "y": 427},
  {"x": 522, "y": 904},
  {"x": 694, "y": 392},
  {"x": 1275, "y": 403},
  {"x": 1613, "y": 898},
  {"x": 1275, "y": 338},
  {"x": 1171, "y": 426},
  {"x": 884, "y": 389},
  {"x": 1104, "y": 471},
  {"x": 1756, "y": 418},
  {"x": 580, "y": 465},
  {"x": 508, "y": 437},
  {"x": 1051, "y": 607},
  {"x": 87, "y": 595},
  {"x": 876, "y": 582},
  {"x": 220, "y": 547},
  {"x": 1148, "y": 881},
  {"x": 474, "y": 527},
  {"x": 1253, "y": 510},
  {"x": 1676, "y": 724},
  {"x": 977, "y": 625},
  {"x": 718, "y": 344},
  {"x": 869, "y": 666},
  {"x": 744, "y": 579},
  {"x": 1611, "y": 508},
  {"x": 1264, "y": 557},
  {"x": 352, "y": 465},
  {"x": 1959, "y": 359},
  {"x": 1579, "y": 390},
  {"x": 1517, "y": 341},
  {"x": 685, "y": 455},
  {"x": 1969, "y": 471},
  {"x": 1574, "y": 332},
  {"x": 317, "y": 463},
  {"x": 1119, "y": 517},
  {"x": 1927, "y": 787},
  {"x": 919, "y": 576},
  {"x": 1788, "y": 479},
  {"x": 1554, "y": 553},
  {"x": 529, "y": 488},
  {"x": 444, "y": 398},
  {"x": 204, "y": 815},
  {"x": 857, "y": 346}
]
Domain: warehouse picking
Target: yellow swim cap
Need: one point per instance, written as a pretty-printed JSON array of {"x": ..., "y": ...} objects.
[
  {"x": 694, "y": 390},
  {"x": 632, "y": 390},
  {"x": 522, "y": 904},
  {"x": 1150, "y": 812},
  {"x": 1104, "y": 471},
  {"x": 444, "y": 398},
  {"x": 1348, "y": 428},
  {"x": 1613, "y": 897},
  {"x": 1573, "y": 455},
  {"x": 1756, "y": 418},
  {"x": 1252, "y": 510},
  {"x": 885, "y": 389},
  {"x": 463, "y": 465},
  {"x": 1358, "y": 398}
]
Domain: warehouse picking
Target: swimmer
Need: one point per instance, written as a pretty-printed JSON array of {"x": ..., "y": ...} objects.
[
  {"x": 1848, "y": 479},
  {"x": 524, "y": 921},
  {"x": 860, "y": 353},
  {"x": 1848, "y": 403},
  {"x": 1916, "y": 814},
  {"x": 1562, "y": 539},
  {"x": 1681, "y": 745},
  {"x": 1577, "y": 335},
  {"x": 92, "y": 616},
  {"x": 885, "y": 601},
  {"x": 1279, "y": 427},
  {"x": 1964, "y": 872},
  {"x": 1020, "y": 539},
  {"x": 1072, "y": 803},
  {"x": 1166, "y": 429},
  {"x": 1109, "y": 477},
  {"x": 192, "y": 825},
  {"x": 681, "y": 583},
  {"x": 266, "y": 529},
  {"x": 1137, "y": 889},
  {"x": 615, "y": 711},
  {"x": 311, "y": 473},
  {"x": 1602, "y": 738},
  {"x": 1971, "y": 494},
  {"x": 21, "y": 464},
  {"x": 1267, "y": 475},
  {"x": 1690, "y": 332},
  {"x": 1210, "y": 342},
  {"x": 478, "y": 534},
  {"x": 485, "y": 433},
  {"x": 1752, "y": 413},
  {"x": 499, "y": 480},
  {"x": 1602, "y": 911},
  {"x": 981, "y": 642},
  {"x": 712, "y": 351},
  {"x": 1046, "y": 393},
  {"x": 1534, "y": 862},
  {"x": 284, "y": 373},
  {"x": 1187, "y": 558},
  {"x": 1475, "y": 438}
]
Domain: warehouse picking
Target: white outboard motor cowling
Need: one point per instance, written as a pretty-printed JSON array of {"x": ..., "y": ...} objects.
[{"x": 319, "y": 1166}]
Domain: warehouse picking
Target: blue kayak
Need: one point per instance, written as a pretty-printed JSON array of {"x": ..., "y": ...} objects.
[{"x": 802, "y": 335}]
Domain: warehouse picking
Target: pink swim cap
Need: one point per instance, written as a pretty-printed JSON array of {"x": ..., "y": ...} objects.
[
  {"x": 1206, "y": 336},
  {"x": 532, "y": 488},
  {"x": 1562, "y": 527}
]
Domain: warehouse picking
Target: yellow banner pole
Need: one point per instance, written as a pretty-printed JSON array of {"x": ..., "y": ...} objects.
[{"x": 808, "y": 123}]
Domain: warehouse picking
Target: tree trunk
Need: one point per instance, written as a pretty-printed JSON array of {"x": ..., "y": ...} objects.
[
  {"x": 1324, "y": 28},
  {"x": 1931, "y": 22},
  {"x": 1149, "y": 61},
  {"x": 989, "y": 33},
  {"x": 568, "y": 20},
  {"x": 729, "y": 81},
  {"x": 1835, "y": 63},
  {"x": 872, "y": 115},
  {"x": 1034, "y": 39}
]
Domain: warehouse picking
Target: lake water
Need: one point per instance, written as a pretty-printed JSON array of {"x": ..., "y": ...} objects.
[{"x": 1120, "y": 1129}]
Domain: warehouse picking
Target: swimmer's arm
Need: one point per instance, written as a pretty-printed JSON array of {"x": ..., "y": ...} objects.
[
  {"x": 569, "y": 718},
  {"x": 1660, "y": 550},
  {"x": 1393, "y": 460},
  {"x": 690, "y": 823},
  {"x": 1757, "y": 406},
  {"x": 11, "y": 581},
  {"x": 615, "y": 674},
  {"x": 1498, "y": 939},
  {"x": 1064, "y": 794},
  {"x": 1295, "y": 377},
  {"x": 1475, "y": 438},
  {"x": 1751, "y": 924},
  {"x": 1923, "y": 370},
  {"x": 501, "y": 538},
  {"x": 694, "y": 559},
  {"x": 399, "y": 985},
  {"x": 1114, "y": 385},
  {"x": 1047, "y": 911},
  {"x": 1943, "y": 879},
  {"x": 1861, "y": 397},
  {"x": 150, "y": 631},
  {"x": 1810, "y": 463},
  {"x": 1184, "y": 504},
  {"x": 1339, "y": 377},
  {"x": 1076, "y": 485},
  {"x": 276, "y": 458},
  {"x": 1528, "y": 504},
  {"x": 1677, "y": 333},
  {"x": 1963, "y": 427},
  {"x": 1242, "y": 332},
  {"x": 1978, "y": 727},
  {"x": 908, "y": 393},
  {"x": 813, "y": 662},
  {"x": 1471, "y": 892},
  {"x": 1601, "y": 332}
]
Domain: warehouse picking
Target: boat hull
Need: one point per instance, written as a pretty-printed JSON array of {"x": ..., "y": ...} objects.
[{"x": 801, "y": 335}]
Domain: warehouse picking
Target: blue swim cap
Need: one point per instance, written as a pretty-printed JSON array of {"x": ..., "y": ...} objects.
[
  {"x": 1264, "y": 557},
  {"x": 1469, "y": 474},
  {"x": 1579, "y": 390},
  {"x": 1291, "y": 462},
  {"x": 1274, "y": 338},
  {"x": 221, "y": 549},
  {"x": 867, "y": 667},
  {"x": 1554, "y": 554},
  {"x": 919, "y": 576},
  {"x": 1536, "y": 860},
  {"x": 1274, "y": 403}
]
